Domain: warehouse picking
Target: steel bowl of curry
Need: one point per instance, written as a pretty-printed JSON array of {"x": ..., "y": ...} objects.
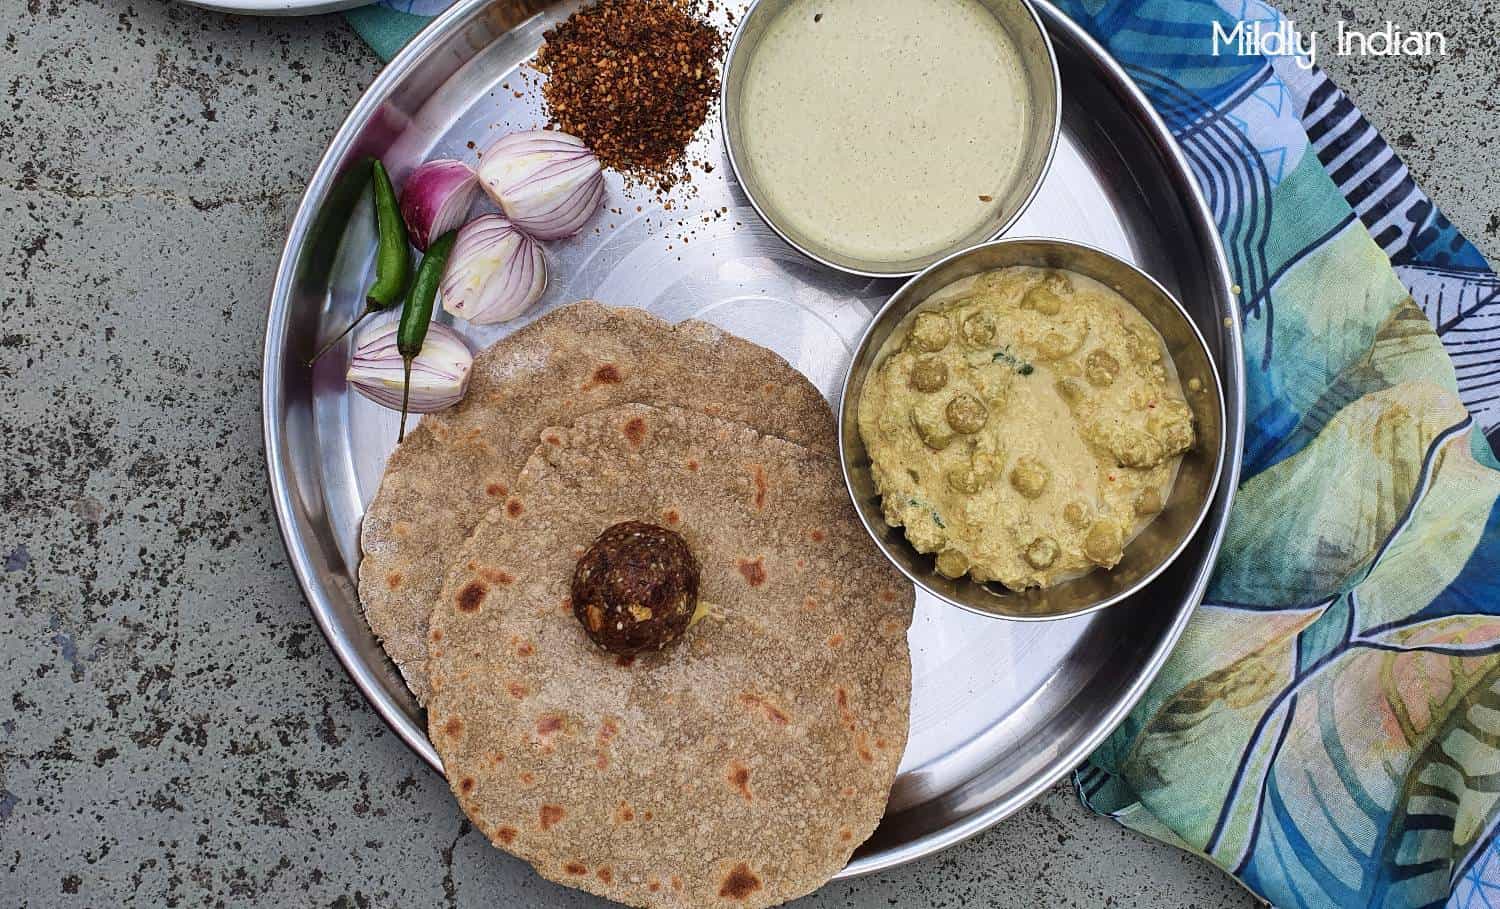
[{"x": 1032, "y": 429}]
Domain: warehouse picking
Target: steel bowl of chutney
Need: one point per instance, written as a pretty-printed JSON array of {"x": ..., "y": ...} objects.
[{"x": 878, "y": 136}]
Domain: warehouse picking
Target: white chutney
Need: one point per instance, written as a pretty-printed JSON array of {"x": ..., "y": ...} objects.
[{"x": 885, "y": 130}]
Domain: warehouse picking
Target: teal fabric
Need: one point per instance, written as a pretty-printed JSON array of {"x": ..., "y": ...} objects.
[
  {"x": 384, "y": 28},
  {"x": 1328, "y": 730}
]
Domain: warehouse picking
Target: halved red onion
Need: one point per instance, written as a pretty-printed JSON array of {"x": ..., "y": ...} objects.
[
  {"x": 495, "y": 272},
  {"x": 439, "y": 374},
  {"x": 436, "y": 199},
  {"x": 548, "y": 183}
]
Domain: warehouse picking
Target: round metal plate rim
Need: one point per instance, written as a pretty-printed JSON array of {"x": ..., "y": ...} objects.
[{"x": 290, "y": 501}]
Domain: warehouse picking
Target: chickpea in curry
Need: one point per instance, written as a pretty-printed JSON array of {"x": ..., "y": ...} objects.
[{"x": 1023, "y": 426}]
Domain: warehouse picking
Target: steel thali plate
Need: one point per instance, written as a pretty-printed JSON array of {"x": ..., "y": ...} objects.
[{"x": 1000, "y": 710}]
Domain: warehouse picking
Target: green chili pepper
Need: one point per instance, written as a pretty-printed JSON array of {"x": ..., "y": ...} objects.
[
  {"x": 392, "y": 257},
  {"x": 416, "y": 315}
]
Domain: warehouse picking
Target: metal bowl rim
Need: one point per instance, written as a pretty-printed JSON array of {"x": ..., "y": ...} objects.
[
  {"x": 394, "y": 717},
  {"x": 1054, "y": 134},
  {"x": 861, "y": 350}
]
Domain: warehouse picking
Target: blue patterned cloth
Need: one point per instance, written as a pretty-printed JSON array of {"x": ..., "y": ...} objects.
[{"x": 1328, "y": 730}]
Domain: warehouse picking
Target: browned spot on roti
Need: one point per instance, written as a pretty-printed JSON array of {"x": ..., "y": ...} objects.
[
  {"x": 548, "y": 724},
  {"x": 846, "y": 834},
  {"x": 437, "y": 635},
  {"x": 882, "y": 744},
  {"x": 505, "y": 835},
  {"x": 401, "y": 529},
  {"x": 552, "y": 438},
  {"x": 842, "y": 698},
  {"x": 889, "y": 595},
  {"x": 740, "y": 883},
  {"x": 758, "y": 474},
  {"x": 527, "y": 777},
  {"x": 550, "y": 816},
  {"x": 692, "y": 463},
  {"x": 605, "y": 874},
  {"x": 514, "y": 508},
  {"x": 601, "y": 761},
  {"x": 454, "y": 727},
  {"x": 624, "y": 814},
  {"x": 497, "y": 576},
  {"x": 471, "y": 596},
  {"x": 576, "y": 868},
  {"x": 835, "y": 640},
  {"x": 653, "y": 885},
  {"x": 739, "y": 778},
  {"x": 393, "y": 580},
  {"x": 646, "y": 816},
  {"x": 816, "y": 535},
  {"x": 495, "y": 490},
  {"x": 809, "y": 604},
  {"x": 676, "y": 883},
  {"x": 635, "y": 431},
  {"x": 848, "y": 792},
  {"x": 773, "y": 713},
  {"x": 625, "y": 661},
  {"x": 608, "y": 374},
  {"x": 496, "y": 759},
  {"x": 754, "y": 571},
  {"x": 673, "y": 516},
  {"x": 517, "y": 690},
  {"x": 861, "y": 744},
  {"x": 466, "y": 785},
  {"x": 525, "y": 649},
  {"x": 608, "y": 729}
]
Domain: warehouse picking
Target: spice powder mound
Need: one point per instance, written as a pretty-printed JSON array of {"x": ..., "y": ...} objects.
[{"x": 635, "y": 79}]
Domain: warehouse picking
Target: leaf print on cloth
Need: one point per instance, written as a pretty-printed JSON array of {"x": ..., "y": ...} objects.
[
  {"x": 1325, "y": 513},
  {"x": 1405, "y": 350},
  {"x": 1216, "y": 714},
  {"x": 1383, "y": 783},
  {"x": 1449, "y": 541},
  {"x": 1339, "y": 759}
]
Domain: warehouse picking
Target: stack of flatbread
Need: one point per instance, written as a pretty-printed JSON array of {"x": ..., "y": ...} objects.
[{"x": 739, "y": 766}]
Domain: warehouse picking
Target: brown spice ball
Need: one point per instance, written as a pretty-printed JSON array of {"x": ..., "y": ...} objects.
[{"x": 636, "y": 588}]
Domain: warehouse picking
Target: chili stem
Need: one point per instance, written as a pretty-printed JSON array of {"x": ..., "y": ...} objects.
[
  {"x": 329, "y": 346},
  {"x": 405, "y": 399}
]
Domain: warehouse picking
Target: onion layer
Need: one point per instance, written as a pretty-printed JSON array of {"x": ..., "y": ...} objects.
[
  {"x": 439, "y": 374},
  {"x": 495, "y": 273},
  {"x": 548, "y": 183},
  {"x": 436, "y": 199}
]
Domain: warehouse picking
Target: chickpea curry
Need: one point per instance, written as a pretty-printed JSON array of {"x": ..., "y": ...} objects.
[{"x": 1023, "y": 426}]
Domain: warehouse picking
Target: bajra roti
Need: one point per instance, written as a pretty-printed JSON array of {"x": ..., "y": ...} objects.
[
  {"x": 458, "y": 464},
  {"x": 741, "y": 765}
]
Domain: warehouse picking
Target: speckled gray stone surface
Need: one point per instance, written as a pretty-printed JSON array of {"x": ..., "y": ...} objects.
[{"x": 173, "y": 730}]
